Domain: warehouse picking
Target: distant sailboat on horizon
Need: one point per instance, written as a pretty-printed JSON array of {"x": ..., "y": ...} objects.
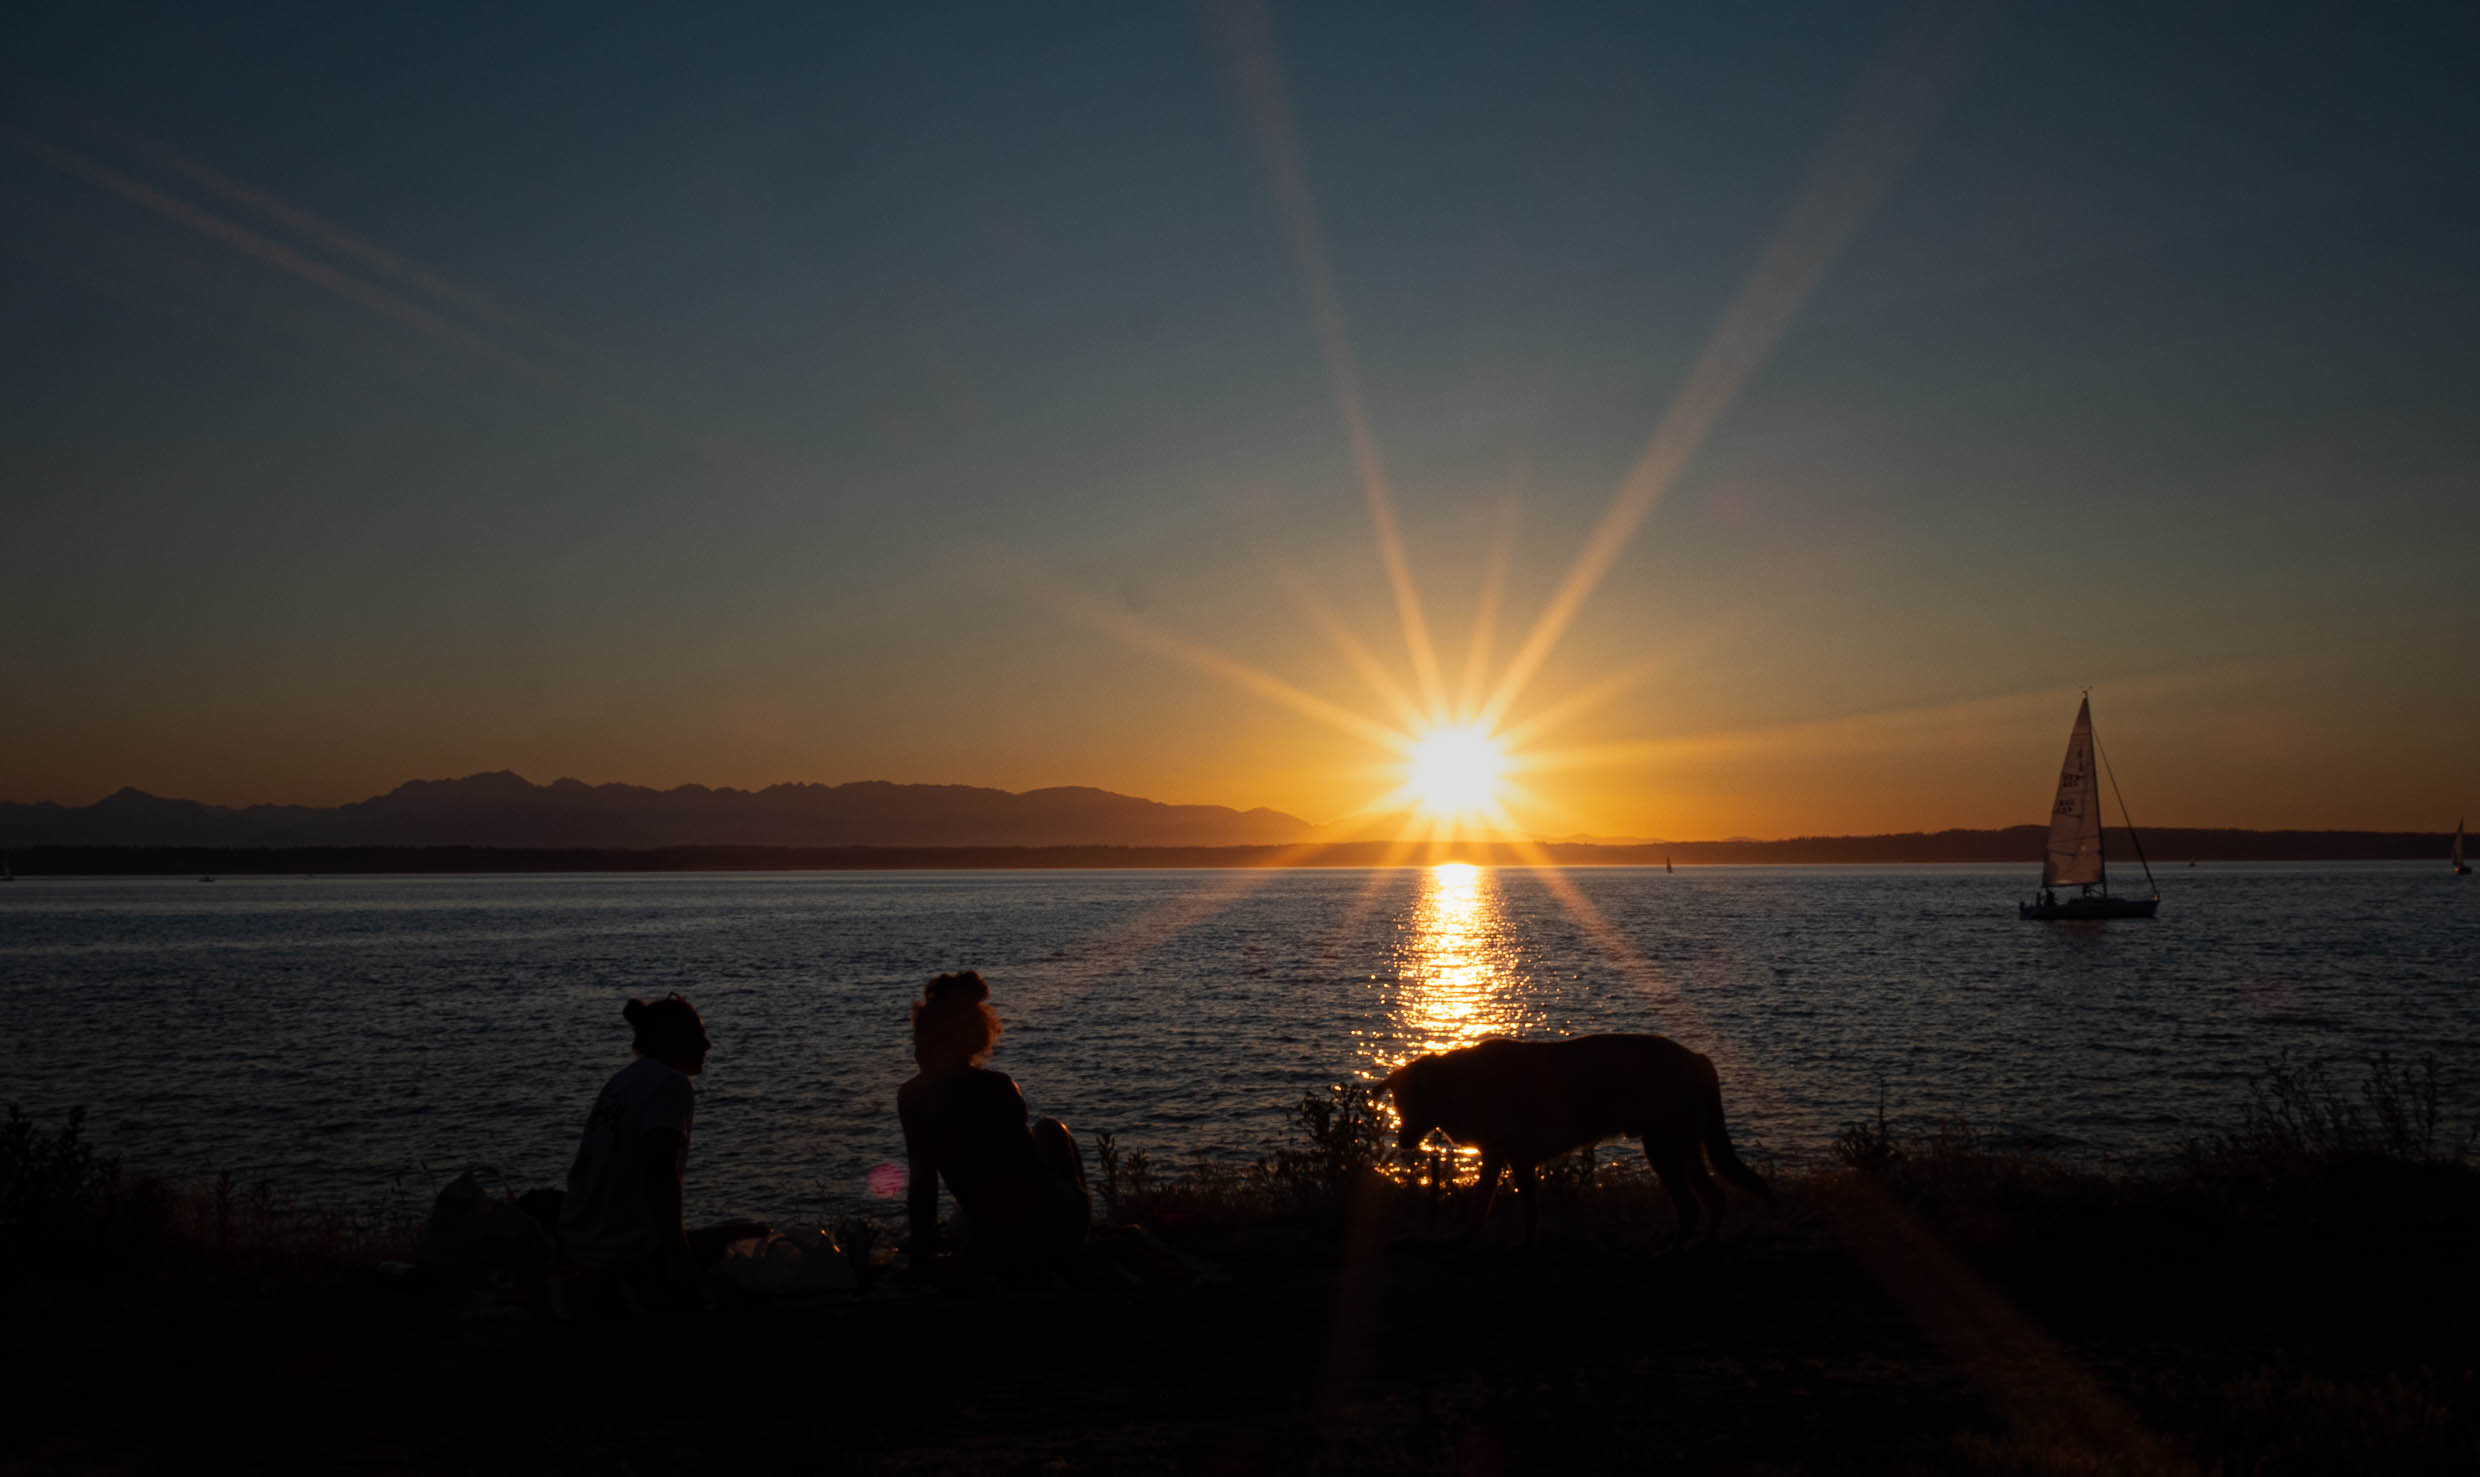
[
  {"x": 2460, "y": 870},
  {"x": 2075, "y": 857}
]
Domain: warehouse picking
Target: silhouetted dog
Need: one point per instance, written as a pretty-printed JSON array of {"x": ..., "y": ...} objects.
[{"x": 1522, "y": 1102}]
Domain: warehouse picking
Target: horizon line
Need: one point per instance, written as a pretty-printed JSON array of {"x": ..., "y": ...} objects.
[{"x": 1503, "y": 839}]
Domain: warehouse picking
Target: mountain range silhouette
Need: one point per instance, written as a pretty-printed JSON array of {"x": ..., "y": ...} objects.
[
  {"x": 917, "y": 825},
  {"x": 502, "y": 809}
]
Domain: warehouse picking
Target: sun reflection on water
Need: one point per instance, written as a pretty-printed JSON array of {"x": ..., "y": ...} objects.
[{"x": 1456, "y": 966}]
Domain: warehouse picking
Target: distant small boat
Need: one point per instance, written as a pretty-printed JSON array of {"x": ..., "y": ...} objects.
[
  {"x": 2460, "y": 870},
  {"x": 2075, "y": 857},
  {"x": 1666, "y": 865},
  {"x": 206, "y": 879}
]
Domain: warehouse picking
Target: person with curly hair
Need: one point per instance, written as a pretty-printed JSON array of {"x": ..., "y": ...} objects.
[{"x": 1020, "y": 1187}]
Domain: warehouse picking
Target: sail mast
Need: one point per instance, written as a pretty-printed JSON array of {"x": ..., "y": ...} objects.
[
  {"x": 2126, "y": 816},
  {"x": 2101, "y": 833}
]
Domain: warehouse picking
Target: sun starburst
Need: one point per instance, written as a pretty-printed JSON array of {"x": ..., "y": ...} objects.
[{"x": 1457, "y": 772}]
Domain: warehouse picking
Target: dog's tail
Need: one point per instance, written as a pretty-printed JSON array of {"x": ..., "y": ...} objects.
[{"x": 1718, "y": 1150}]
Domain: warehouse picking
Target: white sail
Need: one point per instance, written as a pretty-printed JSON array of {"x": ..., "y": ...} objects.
[{"x": 2075, "y": 824}]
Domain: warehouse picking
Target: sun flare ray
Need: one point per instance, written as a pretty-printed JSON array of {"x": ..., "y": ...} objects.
[
  {"x": 1577, "y": 704},
  {"x": 1143, "y": 634},
  {"x": 1362, "y": 660},
  {"x": 1252, "y": 47},
  {"x": 1485, "y": 610},
  {"x": 1881, "y": 128}
]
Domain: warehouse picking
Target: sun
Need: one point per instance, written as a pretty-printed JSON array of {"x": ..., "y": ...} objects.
[{"x": 1457, "y": 772}]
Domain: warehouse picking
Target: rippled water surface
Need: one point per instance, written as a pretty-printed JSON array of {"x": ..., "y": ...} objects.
[{"x": 331, "y": 1033}]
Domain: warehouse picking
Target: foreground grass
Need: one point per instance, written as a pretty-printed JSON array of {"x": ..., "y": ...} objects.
[
  {"x": 2296, "y": 1294},
  {"x": 68, "y": 1212}
]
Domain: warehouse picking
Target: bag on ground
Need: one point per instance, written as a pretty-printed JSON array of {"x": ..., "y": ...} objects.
[{"x": 473, "y": 1240}]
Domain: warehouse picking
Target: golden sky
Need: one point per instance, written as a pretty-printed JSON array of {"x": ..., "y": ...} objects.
[{"x": 1781, "y": 422}]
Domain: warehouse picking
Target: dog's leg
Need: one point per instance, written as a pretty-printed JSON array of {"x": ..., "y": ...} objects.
[
  {"x": 1707, "y": 1189},
  {"x": 1485, "y": 1192},
  {"x": 1526, "y": 1179},
  {"x": 1437, "y": 1181},
  {"x": 1675, "y": 1183}
]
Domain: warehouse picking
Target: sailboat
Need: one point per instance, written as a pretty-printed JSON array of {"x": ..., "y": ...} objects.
[
  {"x": 2075, "y": 858},
  {"x": 2460, "y": 870}
]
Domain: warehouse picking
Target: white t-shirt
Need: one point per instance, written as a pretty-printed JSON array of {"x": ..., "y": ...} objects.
[{"x": 604, "y": 1221}]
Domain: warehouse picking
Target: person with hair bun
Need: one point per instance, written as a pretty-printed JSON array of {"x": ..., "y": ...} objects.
[
  {"x": 622, "y": 1211},
  {"x": 1021, "y": 1189}
]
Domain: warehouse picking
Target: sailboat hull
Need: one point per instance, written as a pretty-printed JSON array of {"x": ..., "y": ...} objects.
[{"x": 2070, "y": 909}]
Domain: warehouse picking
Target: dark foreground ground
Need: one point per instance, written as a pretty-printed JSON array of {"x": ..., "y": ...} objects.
[{"x": 1934, "y": 1313}]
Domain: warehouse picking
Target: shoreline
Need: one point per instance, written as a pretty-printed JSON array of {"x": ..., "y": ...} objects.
[{"x": 2294, "y": 1298}]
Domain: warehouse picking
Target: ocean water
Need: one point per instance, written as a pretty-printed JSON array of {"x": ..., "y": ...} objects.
[{"x": 334, "y": 1034}]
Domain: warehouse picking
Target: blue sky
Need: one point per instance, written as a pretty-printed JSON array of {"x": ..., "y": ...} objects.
[{"x": 758, "y": 396}]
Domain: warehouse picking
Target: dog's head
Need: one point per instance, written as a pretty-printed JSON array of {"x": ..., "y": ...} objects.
[{"x": 1416, "y": 1103}]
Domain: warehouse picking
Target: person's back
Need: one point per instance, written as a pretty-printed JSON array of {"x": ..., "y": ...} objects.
[
  {"x": 973, "y": 1123},
  {"x": 621, "y": 1214},
  {"x": 608, "y": 1218},
  {"x": 1021, "y": 1189}
]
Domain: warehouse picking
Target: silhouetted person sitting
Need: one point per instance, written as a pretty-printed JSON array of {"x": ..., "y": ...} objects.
[
  {"x": 622, "y": 1212},
  {"x": 1021, "y": 1191}
]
